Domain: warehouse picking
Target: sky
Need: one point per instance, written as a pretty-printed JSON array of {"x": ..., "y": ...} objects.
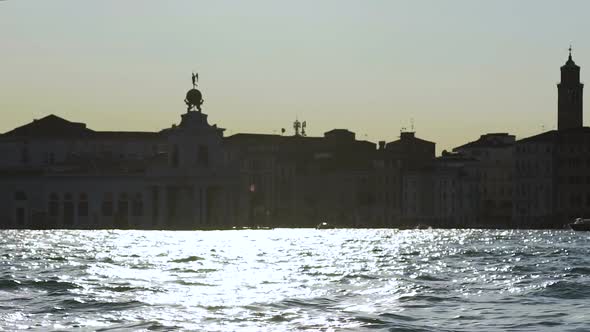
[{"x": 455, "y": 69}]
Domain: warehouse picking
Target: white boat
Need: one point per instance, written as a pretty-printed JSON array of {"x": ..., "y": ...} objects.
[{"x": 580, "y": 224}]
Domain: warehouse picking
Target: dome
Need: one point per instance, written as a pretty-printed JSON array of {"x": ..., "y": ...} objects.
[{"x": 194, "y": 97}]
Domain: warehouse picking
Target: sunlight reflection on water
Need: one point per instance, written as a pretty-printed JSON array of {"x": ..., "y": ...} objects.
[{"x": 295, "y": 279}]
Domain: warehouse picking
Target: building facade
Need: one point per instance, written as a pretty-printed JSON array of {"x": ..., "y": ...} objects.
[
  {"x": 302, "y": 181},
  {"x": 444, "y": 194},
  {"x": 494, "y": 167},
  {"x": 552, "y": 169},
  {"x": 60, "y": 174}
]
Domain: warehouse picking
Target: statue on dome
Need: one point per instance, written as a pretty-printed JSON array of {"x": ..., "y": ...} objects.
[
  {"x": 195, "y": 80},
  {"x": 194, "y": 98}
]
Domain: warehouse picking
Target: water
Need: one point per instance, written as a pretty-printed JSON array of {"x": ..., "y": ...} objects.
[{"x": 295, "y": 279}]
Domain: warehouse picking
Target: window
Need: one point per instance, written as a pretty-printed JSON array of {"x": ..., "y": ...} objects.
[
  {"x": 203, "y": 155},
  {"x": 174, "y": 160},
  {"x": 137, "y": 205},
  {"x": 53, "y": 205},
  {"x": 83, "y": 205},
  {"x": 575, "y": 200},
  {"x": 24, "y": 155},
  {"x": 107, "y": 205},
  {"x": 68, "y": 209},
  {"x": 20, "y": 216},
  {"x": 20, "y": 196},
  {"x": 123, "y": 205},
  {"x": 155, "y": 203}
]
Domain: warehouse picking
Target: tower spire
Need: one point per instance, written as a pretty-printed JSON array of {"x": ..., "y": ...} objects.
[{"x": 570, "y": 96}]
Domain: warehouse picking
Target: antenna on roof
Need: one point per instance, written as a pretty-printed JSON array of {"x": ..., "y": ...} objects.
[
  {"x": 412, "y": 124},
  {"x": 296, "y": 126}
]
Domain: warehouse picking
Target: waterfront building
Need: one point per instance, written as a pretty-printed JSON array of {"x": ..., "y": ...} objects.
[
  {"x": 444, "y": 194},
  {"x": 552, "y": 169},
  {"x": 552, "y": 183},
  {"x": 297, "y": 180},
  {"x": 413, "y": 152},
  {"x": 60, "y": 174},
  {"x": 393, "y": 161},
  {"x": 494, "y": 171},
  {"x": 408, "y": 159}
]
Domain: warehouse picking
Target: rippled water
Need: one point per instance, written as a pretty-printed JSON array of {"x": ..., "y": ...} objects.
[{"x": 294, "y": 279}]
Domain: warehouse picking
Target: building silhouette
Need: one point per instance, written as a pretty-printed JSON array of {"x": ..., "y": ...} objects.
[
  {"x": 552, "y": 169},
  {"x": 60, "y": 174},
  {"x": 570, "y": 96},
  {"x": 494, "y": 171},
  {"x": 301, "y": 181}
]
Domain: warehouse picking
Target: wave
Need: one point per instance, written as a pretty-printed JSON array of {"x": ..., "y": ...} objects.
[
  {"x": 305, "y": 282},
  {"x": 565, "y": 290},
  {"x": 93, "y": 305},
  {"x": 524, "y": 268},
  {"x": 188, "y": 259},
  {"x": 9, "y": 284},
  {"x": 141, "y": 326},
  {"x": 46, "y": 285},
  {"x": 318, "y": 302},
  {"x": 360, "y": 276},
  {"x": 425, "y": 298},
  {"x": 193, "y": 283},
  {"x": 428, "y": 277},
  {"x": 580, "y": 270},
  {"x": 125, "y": 289},
  {"x": 183, "y": 270},
  {"x": 57, "y": 258},
  {"x": 392, "y": 322}
]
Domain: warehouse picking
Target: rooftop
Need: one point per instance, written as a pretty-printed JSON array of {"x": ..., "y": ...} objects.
[
  {"x": 492, "y": 140},
  {"x": 52, "y": 126}
]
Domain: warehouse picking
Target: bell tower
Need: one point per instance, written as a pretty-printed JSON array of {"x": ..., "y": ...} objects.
[{"x": 569, "y": 96}]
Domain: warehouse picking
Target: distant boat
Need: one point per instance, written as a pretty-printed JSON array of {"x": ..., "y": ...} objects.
[
  {"x": 324, "y": 225},
  {"x": 420, "y": 226},
  {"x": 580, "y": 225},
  {"x": 253, "y": 227},
  {"x": 263, "y": 227}
]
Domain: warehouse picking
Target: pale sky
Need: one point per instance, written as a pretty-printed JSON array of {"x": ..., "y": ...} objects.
[{"x": 457, "y": 68}]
